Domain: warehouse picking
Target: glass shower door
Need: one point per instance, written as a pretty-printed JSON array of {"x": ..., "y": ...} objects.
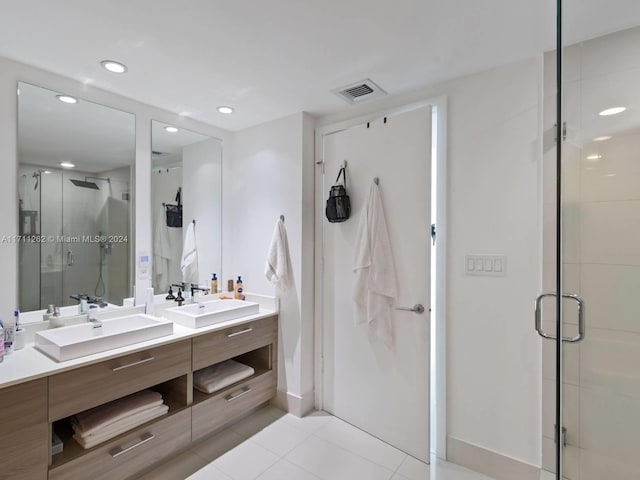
[
  {"x": 604, "y": 398},
  {"x": 595, "y": 387}
]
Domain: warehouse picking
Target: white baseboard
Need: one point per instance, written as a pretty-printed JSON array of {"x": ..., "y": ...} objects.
[
  {"x": 295, "y": 404},
  {"x": 488, "y": 462}
]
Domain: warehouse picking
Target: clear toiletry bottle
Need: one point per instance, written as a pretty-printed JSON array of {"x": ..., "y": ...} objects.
[
  {"x": 214, "y": 284},
  {"x": 9, "y": 336},
  {"x": 239, "y": 291},
  {"x": 18, "y": 342}
]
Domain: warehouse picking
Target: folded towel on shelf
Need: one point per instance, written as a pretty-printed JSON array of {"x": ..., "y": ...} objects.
[
  {"x": 102, "y": 416},
  {"x": 375, "y": 287},
  {"x": 278, "y": 266},
  {"x": 125, "y": 424},
  {"x": 220, "y": 375},
  {"x": 189, "y": 263}
]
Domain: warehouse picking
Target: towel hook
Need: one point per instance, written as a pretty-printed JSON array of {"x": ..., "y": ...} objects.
[
  {"x": 376, "y": 180},
  {"x": 282, "y": 218},
  {"x": 194, "y": 222}
]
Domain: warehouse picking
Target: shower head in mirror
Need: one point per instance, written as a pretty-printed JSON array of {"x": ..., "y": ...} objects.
[{"x": 85, "y": 184}]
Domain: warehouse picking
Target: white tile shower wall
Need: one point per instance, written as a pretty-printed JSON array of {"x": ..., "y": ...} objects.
[{"x": 600, "y": 379}]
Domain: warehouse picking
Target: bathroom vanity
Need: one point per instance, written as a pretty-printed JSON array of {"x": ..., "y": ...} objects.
[{"x": 38, "y": 395}]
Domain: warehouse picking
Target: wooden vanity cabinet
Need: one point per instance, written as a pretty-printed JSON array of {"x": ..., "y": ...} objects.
[
  {"x": 31, "y": 411},
  {"x": 253, "y": 344},
  {"x": 86, "y": 387},
  {"x": 24, "y": 435}
]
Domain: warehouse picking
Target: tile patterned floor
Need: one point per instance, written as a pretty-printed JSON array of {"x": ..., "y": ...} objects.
[{"x": 272, "y": 445}]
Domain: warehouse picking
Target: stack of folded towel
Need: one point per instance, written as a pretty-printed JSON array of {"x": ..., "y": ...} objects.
[
  {"x": 102, "y": 423},
  {"x": 220, "y": 375}
]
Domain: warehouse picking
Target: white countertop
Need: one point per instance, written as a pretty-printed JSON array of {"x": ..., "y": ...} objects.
[{"x": 30, "y": 364}]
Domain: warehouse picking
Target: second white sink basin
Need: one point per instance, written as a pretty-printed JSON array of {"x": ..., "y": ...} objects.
[
  {"x": 76, "y": 341},
  {"x": 199, "y": 315}
]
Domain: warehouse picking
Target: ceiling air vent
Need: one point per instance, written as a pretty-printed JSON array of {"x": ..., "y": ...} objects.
[{"x": 360, "y": 91}]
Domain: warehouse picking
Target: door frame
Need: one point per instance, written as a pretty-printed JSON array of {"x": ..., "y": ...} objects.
[{"x": 438, "y": 301}]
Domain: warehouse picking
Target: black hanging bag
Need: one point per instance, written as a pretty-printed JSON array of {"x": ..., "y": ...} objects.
[
  {"x": 174, "y": 212},
  {"x": 338, "y": 204}
]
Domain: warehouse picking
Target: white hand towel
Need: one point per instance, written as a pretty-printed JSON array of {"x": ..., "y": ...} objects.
[
  {"x": 375, "y": 287},
  {"x": 278, "y": 266},
  {"x": 189, "y": 264}
]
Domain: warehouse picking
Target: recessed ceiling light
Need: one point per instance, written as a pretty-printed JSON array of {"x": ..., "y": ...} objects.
[
  {"x": 612, "y": 111},
  {"x": 171, "y": 129},
  {"x": 226, "y": 110},
  {"x": 67, "y": 164},
  {"x": 603, "y": 138},
  {"x": 594, "y": 157},
  {"x": 67, "y": 99},
  {"x": 113, "y": 66}
]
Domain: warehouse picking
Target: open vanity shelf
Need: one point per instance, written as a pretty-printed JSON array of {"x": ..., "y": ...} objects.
[
  {"x": 167, "y": 369},
  {"x": 173, "y": 396}
]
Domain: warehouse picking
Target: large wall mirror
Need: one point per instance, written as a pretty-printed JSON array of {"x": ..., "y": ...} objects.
[
  {"x": 75, "y": 190},
  {"x": 188, "y": 166}
]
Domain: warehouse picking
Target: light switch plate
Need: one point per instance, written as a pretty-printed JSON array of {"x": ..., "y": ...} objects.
[{"x": 485, "y": 265}]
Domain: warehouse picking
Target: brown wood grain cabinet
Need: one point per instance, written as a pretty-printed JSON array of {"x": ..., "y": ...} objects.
[
  {"x": 25, "y": 432},
  {"x": 32, "y": 410}
]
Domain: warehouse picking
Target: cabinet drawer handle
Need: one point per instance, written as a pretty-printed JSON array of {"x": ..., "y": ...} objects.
[
  {"x": 122, "y": 451},
  {"x": 139, "y": 362},
  {"x": 247, "y": 330},
  {"x": 233, "y": 397}
]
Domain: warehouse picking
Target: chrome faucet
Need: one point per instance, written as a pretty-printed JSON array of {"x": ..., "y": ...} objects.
[{"x": 196, "y": 295}]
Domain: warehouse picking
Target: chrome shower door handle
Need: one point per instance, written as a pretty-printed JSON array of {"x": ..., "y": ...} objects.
[
  {"x": 581, "y": 320},
  {"x": 70, "y": 258}
]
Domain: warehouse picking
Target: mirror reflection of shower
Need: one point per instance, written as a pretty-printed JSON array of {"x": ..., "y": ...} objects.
[
  {"x": 106, "y": 246},
  {"x": 74, "y": 181}
]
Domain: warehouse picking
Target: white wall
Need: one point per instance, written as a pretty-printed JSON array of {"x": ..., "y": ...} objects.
[
  {"x": 493, "y": 353},
  {"x": 10, "y": 73},
  {"x": 202, "y": 198},
  {"x": 271, "y": 174}
]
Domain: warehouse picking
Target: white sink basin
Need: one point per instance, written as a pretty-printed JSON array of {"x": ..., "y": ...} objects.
[
  {"x": 76, "y": 341},
  {"x": 197, "y": 315}
]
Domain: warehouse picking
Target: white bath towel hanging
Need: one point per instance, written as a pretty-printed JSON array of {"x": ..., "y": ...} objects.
[
  {"x": 189, "y": 264},
  {"x": 278, "y": 266},
  {"x": 375, "y": 287}
]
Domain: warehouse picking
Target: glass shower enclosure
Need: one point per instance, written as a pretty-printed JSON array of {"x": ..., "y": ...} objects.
[{"x": 591, "y": 217}]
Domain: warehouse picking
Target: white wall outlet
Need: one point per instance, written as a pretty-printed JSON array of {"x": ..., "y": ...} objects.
[{"x": 485, "y": 265}]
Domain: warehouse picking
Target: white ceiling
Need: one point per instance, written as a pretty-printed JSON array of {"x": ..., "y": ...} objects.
[
  {"x": 93, "y": 137},
  {"x": 272, "y": 58}
]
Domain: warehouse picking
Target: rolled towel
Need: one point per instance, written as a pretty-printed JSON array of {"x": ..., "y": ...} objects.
[
  {"x": 104, "y": 415},
  {"x": 220, "y": 375}
]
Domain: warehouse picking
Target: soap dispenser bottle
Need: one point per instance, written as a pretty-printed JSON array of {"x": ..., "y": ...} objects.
[
  {"x": 214, "y": 284},
  {"x": 239, "y": 290}
]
